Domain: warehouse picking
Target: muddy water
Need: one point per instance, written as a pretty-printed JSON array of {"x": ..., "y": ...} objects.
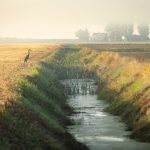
[{"x": 99, "y": 130}]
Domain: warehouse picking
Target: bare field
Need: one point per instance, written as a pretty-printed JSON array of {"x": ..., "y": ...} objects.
[
  {"x": 119, "y": 46},
  {"x": 12, "y": 63},
  {"x": 140, "y": 51},
  {"x": 141, "y": 56}
]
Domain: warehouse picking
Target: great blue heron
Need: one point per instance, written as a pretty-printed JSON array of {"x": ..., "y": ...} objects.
[{"x": 27, "y": 56}]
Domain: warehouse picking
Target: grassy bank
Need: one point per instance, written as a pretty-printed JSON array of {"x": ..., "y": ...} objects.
[
  {"x": 67, "y": 64},
  {"x": 36, "y": 117},
  {"x": 125, "y": 83}
]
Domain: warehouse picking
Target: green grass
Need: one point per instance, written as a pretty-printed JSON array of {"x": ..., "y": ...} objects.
[
  {"x": 43, "y": 115},
  {"x": 36, "y": 120}
]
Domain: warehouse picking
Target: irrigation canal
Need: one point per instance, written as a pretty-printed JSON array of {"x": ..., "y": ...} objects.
[{"x": 93, "y": 126}]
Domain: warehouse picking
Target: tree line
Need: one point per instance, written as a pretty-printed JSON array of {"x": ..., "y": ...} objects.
[{"x": 119, "y": 32}]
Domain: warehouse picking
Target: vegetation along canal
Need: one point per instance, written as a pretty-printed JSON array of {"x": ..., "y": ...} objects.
[{"x": 93, "y": 126}]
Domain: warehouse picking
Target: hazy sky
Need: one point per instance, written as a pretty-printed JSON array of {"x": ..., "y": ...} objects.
[{"x": 61, "y": 18}]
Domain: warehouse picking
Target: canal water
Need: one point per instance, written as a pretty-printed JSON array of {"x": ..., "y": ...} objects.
[{"x": 93, "y": 126}]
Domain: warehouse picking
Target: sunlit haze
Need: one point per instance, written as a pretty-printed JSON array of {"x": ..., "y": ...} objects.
[{"x": 62, "y": 18}]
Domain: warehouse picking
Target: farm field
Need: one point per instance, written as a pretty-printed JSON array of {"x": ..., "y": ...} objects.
[
  {"x": 118, "y": 46},
  {"x": 33, "y": 100},
  {"x": 12, "y": 64}
]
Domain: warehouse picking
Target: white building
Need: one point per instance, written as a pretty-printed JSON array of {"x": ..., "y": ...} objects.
[{"x": 99, "y": 36}]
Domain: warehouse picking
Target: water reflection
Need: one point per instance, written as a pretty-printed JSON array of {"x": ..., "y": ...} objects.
[
  {"x": 93, "y": 126},
  {"x": 80, "y": 86}
]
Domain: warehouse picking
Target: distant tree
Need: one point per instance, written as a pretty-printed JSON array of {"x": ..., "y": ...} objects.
[
  {"x": 144, "y": 32},
  {"x": 83, "y": 35},
  {"x": 128, "y": 31},
  {"x": 114, "y": 32}
]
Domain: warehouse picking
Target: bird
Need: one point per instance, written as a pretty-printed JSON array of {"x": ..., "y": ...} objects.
[{"x": 27, "y": 56}]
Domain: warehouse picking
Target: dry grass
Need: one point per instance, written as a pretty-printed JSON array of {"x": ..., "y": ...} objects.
[
  {"x": 126, "y": 84},
  {"x": 12, "y": 64}
]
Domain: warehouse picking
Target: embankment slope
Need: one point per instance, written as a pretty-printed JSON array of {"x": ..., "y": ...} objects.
[
  {"x": 125, "y": 83},
  {"x": 33, "y": 115}
]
